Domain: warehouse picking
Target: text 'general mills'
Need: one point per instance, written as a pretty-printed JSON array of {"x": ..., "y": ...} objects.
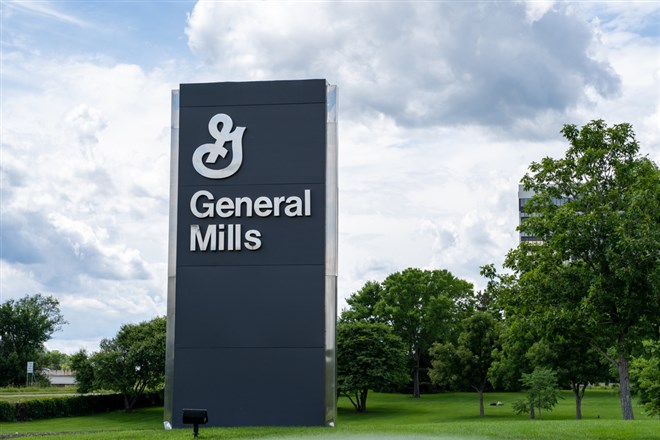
[{"x": 231, "y": 236}]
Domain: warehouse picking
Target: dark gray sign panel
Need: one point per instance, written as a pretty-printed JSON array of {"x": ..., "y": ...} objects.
[{"x": 253, "y": 253}]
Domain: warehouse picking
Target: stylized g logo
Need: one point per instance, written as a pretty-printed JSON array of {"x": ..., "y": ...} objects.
[{"x": 212, "y": 151}]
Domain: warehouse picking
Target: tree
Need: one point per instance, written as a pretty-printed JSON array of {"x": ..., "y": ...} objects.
[
  {"x": 467, "y": 363},
  {"x": 517, "y": 336},
  {"x": 597, "y": 214},
  {"x": 130, "y": 363},
  {"x": 511, "y": 360},
  {"x": 543, "y": 392},
  {"x": 82, "y": 366},
  {"x": 529, "y": 341},
  {"x": 54, "y": 360},
  {"x": 645, "y": 370},
  {"x": 568, "y": 353},
  {"x": 369, "y": 357},
  {"x": 423, "y": 307},
  {"x": 362, "y": 304},
  {"x": 25, "y": 325}
]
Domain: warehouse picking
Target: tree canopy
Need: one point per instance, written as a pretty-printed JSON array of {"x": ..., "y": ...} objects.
[
  {"x": 596, "y": 213},
  {"x": 369, "y": 357},
  {"x": 466, "y": 363},
  {"x": 542, "y": 392},
  {"x": 646, "y": 368},
  {"x": 130, "y": 363},
  {"x": 423, "y": 307},
  {"x": 25, "y": 325}
]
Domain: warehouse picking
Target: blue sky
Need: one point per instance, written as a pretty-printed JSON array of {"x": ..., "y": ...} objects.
[
  {"x": 139, "y": 32},
  {"x": 442, "y": 107}
]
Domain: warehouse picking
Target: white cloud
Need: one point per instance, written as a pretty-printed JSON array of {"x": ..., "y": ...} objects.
[
  {"x": 422, "y": 64},
  {"x": 85, "y": 169}
]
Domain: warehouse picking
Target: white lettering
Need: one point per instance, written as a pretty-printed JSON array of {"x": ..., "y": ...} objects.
[
  {"x": 225, "y": 207},
  {"x": 230, "y": 237},
  {"x": 248, "y": 206},
  {"x": 277, "y": 201},
  {"x": 196, "y": 239},
  {"x": 203, "y": 205},
  {"x": 252, "y": 240},
  {"x": 237, "y": 237},
  {"x": 293, "y": 207},
  {"x": 221, "y": 237},
  {"x": 208, "y": 206},
  {"x": 308, "y": 203},
  {"x": 263, "y": 206}
]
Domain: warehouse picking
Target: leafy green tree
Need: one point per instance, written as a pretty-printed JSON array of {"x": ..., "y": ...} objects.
[
  {"x": 369, "y": 357},
  {"x": 543, "y": 392},
  {"x": 597, "y": 214},
  {"x": 424, "y": 307},
  {"x": 510, "y": 360},
  {"x": 130, "y": 363},
  {"x": 25, "y": 325},
  {"x": 362, "y": 304},
  {"x": 81, "y": 365},
  {"x": 466, "y": 364},
  {"x": 54, "y": 360},
  {"x": 575, "y": 362},
  {"x": 517, "y": 336},
  {"x": 529, "y": 341},
  {"x": 645, "y": 370}
]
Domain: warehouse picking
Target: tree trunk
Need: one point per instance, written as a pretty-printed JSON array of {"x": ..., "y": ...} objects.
[
  {"x": 624, "y": 389},
  {"x": 481, "y": 403},
  {"x": 416, "y": 376},
  {"x": 531, "y": 409},
  {"x": 579, "y": 394},
  {"x": 363, "y": 400},
  {"x": 355, "y": 403}
]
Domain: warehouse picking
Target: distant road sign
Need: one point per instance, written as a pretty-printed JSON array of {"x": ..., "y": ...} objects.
[{"x": 30, "y": 367}]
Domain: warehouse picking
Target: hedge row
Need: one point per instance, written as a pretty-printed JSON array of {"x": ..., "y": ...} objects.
[{"x": 51, "y": 407}]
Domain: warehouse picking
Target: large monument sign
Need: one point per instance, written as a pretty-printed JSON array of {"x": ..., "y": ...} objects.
[{"x": 253, "y": 253}]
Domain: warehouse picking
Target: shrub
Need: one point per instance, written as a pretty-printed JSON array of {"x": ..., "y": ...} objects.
[
  {"x": 48, "y": 408},
  {"x": 6, "y": 412}
]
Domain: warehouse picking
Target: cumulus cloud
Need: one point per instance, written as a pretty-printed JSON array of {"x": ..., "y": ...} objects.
[
  {"x": 422, "y": 64},
  {"x": 86, "y": 122},
  {"x": 85, "y": 189}
]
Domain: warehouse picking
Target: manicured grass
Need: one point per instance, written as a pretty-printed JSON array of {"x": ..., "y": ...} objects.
[
  {"x": 389, "y": 416},
  {"x": 13, "y": 394},
  {"x": 7, "y": 391}
]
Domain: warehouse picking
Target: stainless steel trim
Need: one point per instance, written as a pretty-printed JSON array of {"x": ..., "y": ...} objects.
[
  {"x": 331, "y": 254},
  {"x": 171, "y": 263}
]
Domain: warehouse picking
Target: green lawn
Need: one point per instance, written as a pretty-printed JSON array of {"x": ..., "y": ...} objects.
[
  {"x": 390, "y": 416},
  {"x": 14, "y": 394}
]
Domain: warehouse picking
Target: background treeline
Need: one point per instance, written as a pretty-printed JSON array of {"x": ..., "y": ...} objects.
[{"x": 132, "y": 363}]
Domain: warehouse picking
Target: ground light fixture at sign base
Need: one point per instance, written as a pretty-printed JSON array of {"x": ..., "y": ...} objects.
[{"x": 195, "y": 417}]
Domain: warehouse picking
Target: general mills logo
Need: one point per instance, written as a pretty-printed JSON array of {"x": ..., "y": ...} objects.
[{"x": 208, "y": 153}]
